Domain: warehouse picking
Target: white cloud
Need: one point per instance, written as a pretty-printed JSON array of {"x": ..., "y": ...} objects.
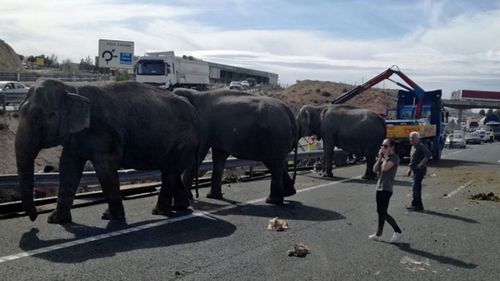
[{"x": 464, "y": 51}]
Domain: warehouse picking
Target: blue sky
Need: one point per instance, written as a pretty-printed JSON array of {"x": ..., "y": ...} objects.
[{"x": 440, "y": 44}]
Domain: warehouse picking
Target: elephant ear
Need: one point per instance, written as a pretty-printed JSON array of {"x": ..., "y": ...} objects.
[{"x": 76, "y": 114}]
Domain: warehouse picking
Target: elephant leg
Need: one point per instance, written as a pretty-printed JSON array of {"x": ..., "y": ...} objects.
[
  {"x": 328, "y": 152},
  {"x": 288, "y": 187},
  {"x": 277, "y": 189},
  {"x": 107, "y": 173},
  {"x": 219, "y": 158},
  {"x": 164, "y": 204},
  {"x": 71, "y": 168},
  {"x": 369, "y": 174},
  {"x": 181, "y": 194},
  {"x": 189, "y": 174}
]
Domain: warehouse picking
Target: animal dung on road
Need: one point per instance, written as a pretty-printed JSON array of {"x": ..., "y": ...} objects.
[
  {"x": 483, "y": 196},
  {"x": 277, "y": 224},
  {"x": 299, "y": 250}
]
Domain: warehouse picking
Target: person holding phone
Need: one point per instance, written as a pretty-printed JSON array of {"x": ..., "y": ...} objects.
[{"x": 387, "y": 166}]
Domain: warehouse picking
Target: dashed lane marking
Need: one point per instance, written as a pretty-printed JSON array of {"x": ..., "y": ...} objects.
[
  {"x": 150, "y": 225},
  {"x": 458, "y": 189}
]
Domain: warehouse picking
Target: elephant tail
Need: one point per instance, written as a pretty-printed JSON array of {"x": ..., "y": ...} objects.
[
  {"x": 197, "y": 170},
  {"x": 295, "y": 161}
]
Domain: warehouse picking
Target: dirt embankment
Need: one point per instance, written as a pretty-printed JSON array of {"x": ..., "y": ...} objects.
[
  {"x": 320, "y": 92},
  {"x": 9, "y": 60}
]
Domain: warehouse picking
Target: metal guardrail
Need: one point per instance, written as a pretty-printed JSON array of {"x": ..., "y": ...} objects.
[
  {"x": 89, "y": 178},
  {"x": 10, "y": 98},
  {"x": 33, "y": 76}
]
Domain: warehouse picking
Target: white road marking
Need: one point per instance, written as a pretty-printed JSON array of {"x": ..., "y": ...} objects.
[
  {"x": 458, "y": 189},
  {"x": 149, "y": 225},
  {"x": 451, "y": 153}
]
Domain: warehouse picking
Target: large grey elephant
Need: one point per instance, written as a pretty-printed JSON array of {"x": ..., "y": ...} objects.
[
  {"x": 246, "y": 126},
  {"x": 127, "y": 125},
  {"x": 355, "y": 130}
]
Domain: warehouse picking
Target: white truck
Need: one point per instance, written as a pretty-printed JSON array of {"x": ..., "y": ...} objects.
[{"x": 166, "y": 70}]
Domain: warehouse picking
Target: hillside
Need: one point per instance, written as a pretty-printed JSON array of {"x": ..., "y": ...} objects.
[
  {"x": 318, "y": 92},
  {"x": 9, "y": 60}
]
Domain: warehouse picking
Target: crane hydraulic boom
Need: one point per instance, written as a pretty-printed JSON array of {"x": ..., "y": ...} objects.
[{"x": 412, "y": 87}]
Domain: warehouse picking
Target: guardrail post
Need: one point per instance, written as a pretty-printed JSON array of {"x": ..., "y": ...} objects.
[{"x": 2, "y": 99}]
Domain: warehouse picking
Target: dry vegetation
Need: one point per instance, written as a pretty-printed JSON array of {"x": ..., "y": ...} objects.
[{"x": 320, "y": 92}]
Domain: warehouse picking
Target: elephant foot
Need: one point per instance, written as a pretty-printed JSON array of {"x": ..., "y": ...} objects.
[
  {"x": 327, "y": 175},
  {"x": 162, "y": 211},
  {"x": 180, "y": 207},
  {"x": 181, "y": 204},
  {"x": 113, "y": 215},
  {"x": 59, "y": 217},
  {"x": 274, "y": 200},
  {"x": 289, "y": 191},
  {"x": 214, "y": 195},
  {"x": 369, "y": 177}
]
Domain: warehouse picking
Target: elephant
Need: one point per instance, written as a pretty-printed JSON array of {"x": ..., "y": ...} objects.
[
  {"x": 355, "y": 130},
  {"x": 119, "y": 125},
  {"x": 246, "y": 126}
]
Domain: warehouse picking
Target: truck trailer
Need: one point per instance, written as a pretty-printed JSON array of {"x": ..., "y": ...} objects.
[
  {"x": 475, "y": 95},
  {"x": 166, "y": 70}
]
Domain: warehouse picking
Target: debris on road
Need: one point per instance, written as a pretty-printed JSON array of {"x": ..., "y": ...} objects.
[
  {"x": 415, "y": 265},
  {"x": 277, "y": 224},
  {"x": 299, "y": 250},
  {"x": 483, "y": 196}
]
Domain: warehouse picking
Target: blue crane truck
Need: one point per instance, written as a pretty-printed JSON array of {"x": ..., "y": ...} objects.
[{"x": 416, "y": 110}]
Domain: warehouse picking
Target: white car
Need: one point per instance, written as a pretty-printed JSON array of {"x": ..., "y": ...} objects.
[
  {"x": 235, "y": 85},
  {"x": 455, "y": 140},
  {"x": 483, "y": 135},
  {"x": 245, "y": 84},
  {"x": 13, "y": 87}
]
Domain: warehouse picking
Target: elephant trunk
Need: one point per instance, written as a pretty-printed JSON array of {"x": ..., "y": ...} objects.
[{"x": 26, "y": 146}]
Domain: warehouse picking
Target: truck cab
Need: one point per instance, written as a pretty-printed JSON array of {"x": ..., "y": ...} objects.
[
  {"x": 429, "y": 124},
  {"x": 156, "y": 70},
  {"x": 166, "y": 70}
]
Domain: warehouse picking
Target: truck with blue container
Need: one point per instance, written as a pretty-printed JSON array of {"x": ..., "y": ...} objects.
[{"x": 416, "y": 110}]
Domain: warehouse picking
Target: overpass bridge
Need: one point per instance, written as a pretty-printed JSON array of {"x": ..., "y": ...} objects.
[{"x": 469, "y": 104}]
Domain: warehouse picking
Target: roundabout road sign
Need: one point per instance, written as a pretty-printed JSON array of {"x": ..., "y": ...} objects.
[{"x": 116, "y": 54}]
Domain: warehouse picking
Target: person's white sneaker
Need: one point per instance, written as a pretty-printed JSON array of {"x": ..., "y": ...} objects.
[
  {"x": 373, "y": 236},
  {"x": 396, "y": 237}
]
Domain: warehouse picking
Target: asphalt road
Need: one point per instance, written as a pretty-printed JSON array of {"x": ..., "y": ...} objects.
[{"x": 455, "y": 239}]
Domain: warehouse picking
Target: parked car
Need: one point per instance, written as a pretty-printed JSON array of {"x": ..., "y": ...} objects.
[
  {"x": 483, "y": 135},
  {"x": 473, "y": 137},
  {"x": 245, "y": 84},
  {"x": 235, "y": 85},
  {"x": 13, "y": 87},
  {"x": 455, "y": 140}
]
